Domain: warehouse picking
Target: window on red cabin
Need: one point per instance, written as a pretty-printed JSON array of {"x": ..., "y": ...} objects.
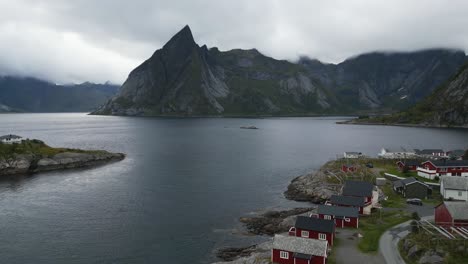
[
  {"x": 284, "y": 255},
  {"x": 328, "y": 217},
  {"x": 322, "y": 236},
  {"x": 304, "y": 233}
]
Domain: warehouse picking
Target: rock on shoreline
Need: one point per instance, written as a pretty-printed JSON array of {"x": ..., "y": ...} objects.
[
  {"x": 273, "y": 222},
  {"x": 312, "y": 187},
  {"x": 29, "y": 163}
]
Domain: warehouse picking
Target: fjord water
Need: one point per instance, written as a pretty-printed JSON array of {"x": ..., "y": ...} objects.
[{"x": 178, "y": 194}]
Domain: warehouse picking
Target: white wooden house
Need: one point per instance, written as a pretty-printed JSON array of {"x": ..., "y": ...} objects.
[{"x": 10, "y": 139}]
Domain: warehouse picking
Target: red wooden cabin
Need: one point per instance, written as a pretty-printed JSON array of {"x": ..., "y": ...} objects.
[
  {"x": 298, "y": 250},
  {"x": 451, "y": 214},
  {"x": 342, "y": 216},
  {"x": 348, "y": 201},
  {"x": 315, "y": 228}
]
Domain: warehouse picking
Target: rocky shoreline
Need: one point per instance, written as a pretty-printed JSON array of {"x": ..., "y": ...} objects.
[
  {"x": 426, "y": 125},
  {"x": 313, "y": 187},
  {"x": 29, "y": 163}
]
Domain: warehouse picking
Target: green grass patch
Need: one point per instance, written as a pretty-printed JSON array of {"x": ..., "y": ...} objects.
[
  {"x": 394, "y": 200},
  {"x": 373, "y": 226},
  {"x": 37, "y": 148}
]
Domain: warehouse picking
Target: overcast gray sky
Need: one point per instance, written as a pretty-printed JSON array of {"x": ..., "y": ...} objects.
[{"x": 99, "y": 40}]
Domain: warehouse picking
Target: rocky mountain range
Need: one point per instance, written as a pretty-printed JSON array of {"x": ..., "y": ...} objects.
[
  {"x": 183, "y": 78},
  {"x": 19, "y": 94},
  {"x": 447, "y": 106}
]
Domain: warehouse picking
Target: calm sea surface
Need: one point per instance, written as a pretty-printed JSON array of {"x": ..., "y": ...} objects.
[{"x": 178, "y": 194}]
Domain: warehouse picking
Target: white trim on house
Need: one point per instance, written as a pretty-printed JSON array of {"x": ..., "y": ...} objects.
[
  {"x": 304, "y": 233},
  {"x": 284, "y": 254},
  {"x": 322, "y": 236},
  {"x": 327, "y": 217}
]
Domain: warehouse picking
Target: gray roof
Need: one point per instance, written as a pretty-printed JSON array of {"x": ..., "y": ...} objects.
[
  {"x": 454, "y": 182},
  {"x": 315, "y": 224},
  {"x": 338, "y": 210},
  {"x": 301, "y": 245},
  {"x": 358, "y": 188},
  {"x": 458, "y": 210},
  {"x": 408, "y": 181},
  {"x": 347, "y": 200},
  {"x": 450, "y": 163},
  {"x": 9, "y": 137}
]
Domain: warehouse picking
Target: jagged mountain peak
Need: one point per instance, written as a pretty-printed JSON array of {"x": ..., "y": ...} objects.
[{"x": 183, "y": 39}]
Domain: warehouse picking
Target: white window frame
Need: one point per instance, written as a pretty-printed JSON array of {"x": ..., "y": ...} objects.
[
  {"x": 304, "y": 233},
  {"x": 322, "y": 236},
  {"x": 347, "y": 219},
  {"x": 284, "y": 255},
  {"x": 328, "y": 217}
]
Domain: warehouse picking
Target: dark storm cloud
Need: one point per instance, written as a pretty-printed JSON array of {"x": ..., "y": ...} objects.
[{"x": 73, "y": 41}]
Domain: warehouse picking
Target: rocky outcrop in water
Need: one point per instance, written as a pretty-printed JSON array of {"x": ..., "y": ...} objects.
[
  {"x": 29, "y": 163},
  {"x": 185, "y": 79},
  {"x": 273, "y": 222}
]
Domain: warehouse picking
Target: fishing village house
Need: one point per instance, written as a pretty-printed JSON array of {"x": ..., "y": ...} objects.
[
  {"x": 10, "y": 139},
  {"x": 350, "y": 201},
  {"x": 391, "y": 154},
  {"x": 298, "y": 250},
  {"x": 342, "y": 216},
  {"x": 412, "y": 188},
  {"x": 451, "y": 214},
  {"x": 454, "y": 188},
  {"x": 431, "y": 153},
  {"x": 348, "y": 168},
  {"x": 456, "y": 154},
  {"x": 314, "y": 228},
  {"x": 352, "y": 155},
  {"x": 408, "y": 165},
  {"x": 432, "y": 168},
  {"x": 361, "y": 189}
]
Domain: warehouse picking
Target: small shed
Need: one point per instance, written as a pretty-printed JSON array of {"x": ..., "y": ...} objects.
[{"x": 412, "y": 188}]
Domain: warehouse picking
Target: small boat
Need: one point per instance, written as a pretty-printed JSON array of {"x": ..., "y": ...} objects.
[{"x": 249, "y": 127}]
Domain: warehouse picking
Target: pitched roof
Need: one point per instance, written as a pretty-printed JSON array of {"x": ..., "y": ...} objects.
[
  {"x": 458, "y": 210},
  {"x": 358, "y": 188},
  {"x": 454, "y": 182},
  {"x": 301, "y": 245},
  {"x": 338, "y": 210},
  {"x": 315, "y": 224},
  {"x": 450, "y": 163},
  {"x": 347, "y": 200},
  {"x": 408, "y": 181}
]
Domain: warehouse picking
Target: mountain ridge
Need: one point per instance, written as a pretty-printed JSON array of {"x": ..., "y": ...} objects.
[
  {"x": 183, "y": 78},
  {"x": 28, "y": 94}
]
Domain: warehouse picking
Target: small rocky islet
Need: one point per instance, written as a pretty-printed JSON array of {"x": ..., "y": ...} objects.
[{"x": 32, "y": 156}]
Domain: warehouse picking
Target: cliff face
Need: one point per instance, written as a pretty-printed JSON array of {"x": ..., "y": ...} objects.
[
  {"x": 447, "y": 106},
  {"x": 183, "y": 78}
]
